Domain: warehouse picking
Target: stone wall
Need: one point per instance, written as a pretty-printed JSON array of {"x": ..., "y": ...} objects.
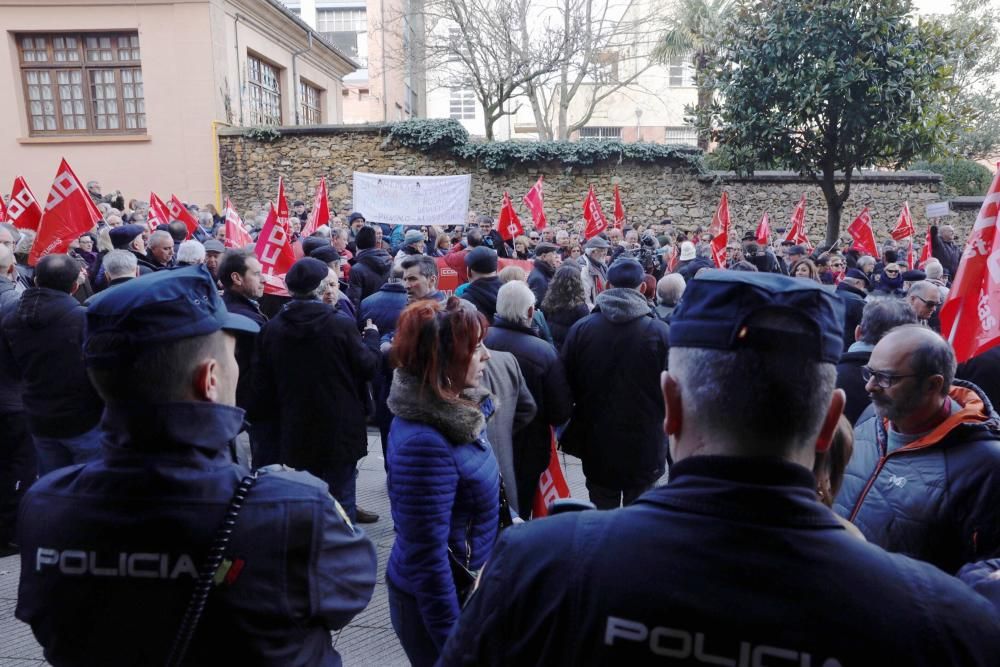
[{"x": 250, "y": 170}]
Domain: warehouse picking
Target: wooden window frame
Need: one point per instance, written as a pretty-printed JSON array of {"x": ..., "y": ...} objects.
[
  {"x": 255, "y": 117},
  {"x": 309, "y": 114},
  {"x": 53, "y": 67}
]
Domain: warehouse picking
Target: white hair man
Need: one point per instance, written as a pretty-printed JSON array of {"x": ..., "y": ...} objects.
[
  {"x": 669, "y": 291},
  {"x": 190, "y": 253},
  {"x": 120, "y": 266}
]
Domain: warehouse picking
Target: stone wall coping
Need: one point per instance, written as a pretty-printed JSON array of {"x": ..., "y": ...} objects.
[
  {"x": 967, "y": 203},
  {"x": 792, "y": 177},
  {"x": 312, "y": 130}
]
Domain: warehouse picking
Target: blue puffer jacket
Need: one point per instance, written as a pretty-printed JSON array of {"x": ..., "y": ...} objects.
[
  {"x": 444, "y": 488},
  {"x": 935, "y": 499}
]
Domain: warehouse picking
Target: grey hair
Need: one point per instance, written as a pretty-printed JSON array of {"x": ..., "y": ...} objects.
[
  {"x": 882, "y": 315},
  {"x": 934, "y": 269},
  {"x": 670, "y": 289},
  {"x": 205, "y": 219},
  {"x": 191, "y": 252},
  {"x": 119, "y": 264},
  {"x": 323, "y": 231},
  {"x": 703, "y": 250},
  {"x": 865, "y": 259},
  {"x": 514, "y": 300},
  {"x": 15, "y": 233},
  {"x": 6, "y": 258},
  {"x": 754, "y": 385},
  {"x": 159, "y": 235},
  {"x": 339, "y": 233},
  {"x": 23, "y": 245},
  {"x": 932, "y": 356},
  {"x": 921, "y": 287}
]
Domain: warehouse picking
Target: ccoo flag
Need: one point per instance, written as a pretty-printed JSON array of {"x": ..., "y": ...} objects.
[
  {"x": 274, "y": 251},
  {"x": 861, "y": 231},
  {"x": 536, "y": 204},
  {"x": 509, "y": 225},
  {"x": 592, "y": 213},
  {"x": 321, "y": 210},
  {"x": 237, "y": 235},
  {"x": 69, "y": 212},
  {"x": 23, "y": 210}
]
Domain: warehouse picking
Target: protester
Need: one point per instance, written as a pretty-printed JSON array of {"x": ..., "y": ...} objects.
[
  {"x": 544, "y": 269},
  {"x": 484, "y": 283},
  {"x": 945, "y": 250},
  {"x": 414, "y": 243},
  {"x": 161, "y": 250},
  {"x": 595, "y": 272},
  {"x": 678, "y": 576},
  {"x": 805, "y": 269},
  {"x": 922, "y": 480},
  {"x": 213, "y": 255},
  {"x": 307, "y": 345},
  {"x": 129, "y": 237},
  {"x": 613, "y": 358},
  {"x": 564, "y": 302},
  {"x": 40, "y": 345},
  {"x": 852, "y": 290},
  {"x": 889, "y": 281},
  {"x": 10, "y": 290},
  {"x": 924, "y": 297},
  {"x": 120, "y": 266},
  {"x": 669, "y": 290},
  {"x": 420, "y": 279},
  {"x": 159, "y": 495},
  {"x": 190, "y": 253},
  {"x": 444, "y": 482},
  {"x": 370, "y": 269}
]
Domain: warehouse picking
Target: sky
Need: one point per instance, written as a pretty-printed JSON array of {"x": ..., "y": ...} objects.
[{"x": 933, "y": 6}]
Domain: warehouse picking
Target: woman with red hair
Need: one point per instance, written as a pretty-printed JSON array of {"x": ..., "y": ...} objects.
[{"x": 444, "y": 480}]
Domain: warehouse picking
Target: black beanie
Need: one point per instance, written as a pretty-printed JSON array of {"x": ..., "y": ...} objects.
[{"x": 365, "y": 238}]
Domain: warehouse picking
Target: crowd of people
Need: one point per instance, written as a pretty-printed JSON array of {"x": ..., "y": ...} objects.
[{"x": 818, "y": 437}]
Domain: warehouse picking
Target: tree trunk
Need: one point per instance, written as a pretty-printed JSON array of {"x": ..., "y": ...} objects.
[
  {"x": 702, "y": 120},
  {"x": 541, "y": 122},
  {"x": 834, "y": 207}
]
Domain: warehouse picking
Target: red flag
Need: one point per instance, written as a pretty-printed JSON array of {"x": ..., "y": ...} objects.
[
  {"x": 909, "y": 255},
  {"x": 925, "y": 252},
  {"x": 619, "y": 210},
  {"x": 551, "y": 485},
  {"x": 904, "y": 226},
  {"x": 321, "y": 209},
  {"x": 592, "y": 213},
  {"x": 763, "y": 235},
  {"x": 535, "y": 203},
  {"x": 237, "y": 235},
  {"x": 177, "y": 211},
  {"x": 282, "y": 202},
  {"x": 797, "y": 232},
  {"x": 158, "y": 213},
  {"x": 970, "y": 316},
  {"x": 509, "y": 225},
  {"x": 3, "y": 210},
  {"x": 861, "y": 231},
  {"x": 23, "y": 210},
  {"x": 274, "y": 250},
  {"x": 718, "y": 246},
  {"x": 720, "y": 221},
  {"x": 69, "y": 212}
]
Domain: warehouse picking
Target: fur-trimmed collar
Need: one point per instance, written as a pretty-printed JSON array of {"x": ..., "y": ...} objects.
[{"x": 458, "y": 422}]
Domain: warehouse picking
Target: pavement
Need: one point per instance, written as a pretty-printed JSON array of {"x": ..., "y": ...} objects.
[{"x": 367, "y": 640}]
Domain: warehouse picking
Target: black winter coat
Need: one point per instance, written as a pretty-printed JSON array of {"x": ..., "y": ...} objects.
[
  {"x": 245, "y": 344},
  {"x": 849, "y": 379},
  {"x": 482, "y": 294},
  {"x": 560, "y": 322},
  {"x": 538, "y": 280},
  {"x": 311, "y": 375},
  {"x": 42, "y": 344},
  {"x": 369, "y": 272},
  {"x": 613, "y": 359},
  {"x": 383, "y": 307},
  {"x": 854, "y": 306}
]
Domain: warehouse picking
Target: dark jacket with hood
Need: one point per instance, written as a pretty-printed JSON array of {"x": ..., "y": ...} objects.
[
  {"x": 369, "y": 272},
  {"x": 936, "y": 498},
  {"x": 949, "y": 254},
  {"x": 311, "y": 374},
  {"x": 560, "y": 322},
  {"x": 245, "y": 345},
  {"x": 42, "y": 345},
  {"x": 482, "y": 293},
  {"x": 849, "y": 379},
  {"x": 854, "y": 306},
  {"x": 613, "y": 359},
  {"x": 384, "y": 307},
  {"x": 539, "y": 279}
]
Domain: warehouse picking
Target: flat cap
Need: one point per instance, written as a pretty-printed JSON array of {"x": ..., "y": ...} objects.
[
  {"x": 597, "y": 242},
  {"x": 412, "y": 236},
  {"x": 545, "y": 248},
  {"x": 213, "y": 245},
  {"x": 481, "y": 260},
  {"x": 326, "y": 254},
  {"x": 858, "y": 274},
  {"x": 725, "y": 310},
  {"x": 306, "y": 274},
  {"x": 122, "y": 235},
  {"x": 160, "y": 307},
  {"x": 913, "y": 275}
]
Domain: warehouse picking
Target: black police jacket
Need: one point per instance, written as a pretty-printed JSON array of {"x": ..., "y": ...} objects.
[
  {"x": 110, "y": 550},
  {"x": 734, "y": 562}
]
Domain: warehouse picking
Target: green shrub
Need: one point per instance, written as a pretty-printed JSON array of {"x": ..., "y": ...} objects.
[{"x": 962, "y": 178}]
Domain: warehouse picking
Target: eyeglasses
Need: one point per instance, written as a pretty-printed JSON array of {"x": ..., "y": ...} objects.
[
  {"x": 882, "y": 379},
  {"x": 933, "y": 305},
  {"x": 892, "y": 273}
]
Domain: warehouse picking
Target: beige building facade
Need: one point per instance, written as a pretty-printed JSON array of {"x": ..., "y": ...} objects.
[{"x": 131, "y": 93}]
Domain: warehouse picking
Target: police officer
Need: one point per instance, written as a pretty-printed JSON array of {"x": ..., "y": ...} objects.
[
  {"x": 734, "y": 562},
  {"x": 111, "y": 549}
]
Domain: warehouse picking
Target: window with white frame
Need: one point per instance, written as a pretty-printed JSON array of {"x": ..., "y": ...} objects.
[
  {"x": 681, "y": 71},
  {"x": 347, "y": 29},
  {"x": 309, "y": 99},
  {"x": 462, "y": 104},
  {"x": 685, "y": 135},
  {"x": 263, "y": 92},
  {"x": 601, "y": 133}
]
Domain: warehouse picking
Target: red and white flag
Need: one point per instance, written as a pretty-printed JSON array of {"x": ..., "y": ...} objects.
[
  {"x": 69, "y": 212},
  {"x": 23, "y": 212},
  {"x": 274, "y": 250},
  {"x": 797, "y": 232},
  {"x": 321, "y": 210},
  {"x": 619, "y": 210},
  {"x": 861, "y": 231},
  {"x": 552, "y": 485},
  {"x": 282, "y": 203},
  {"x": 237, "y": 235},
  {"x": 904, "y": 226},
  {"x": 925, "y": 252},
  {"x": 159, "y": 214},
  {"x": 536, "y": 204},
  {"x": 909, "y": 255},
  {"x": 592, "y": 213},
  {"x": 178, "y": 211},
  {"x": 720, "y": 221},
  {"x": 970, "y": 316},
  {"x": 718, "y": 247},
  {"x": 762, "y": 236},
  {"x": 3, "y": 210},
  {"x": 509, "y": 225}
]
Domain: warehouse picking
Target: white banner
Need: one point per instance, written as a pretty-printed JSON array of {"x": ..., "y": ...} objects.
[{"x": 412, "y": 200}]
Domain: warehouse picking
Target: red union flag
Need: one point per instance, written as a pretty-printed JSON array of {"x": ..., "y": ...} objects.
[
  {"x": 861, "y": 231},
  {"x": 970, "y": 316},
  {"x": 762, "y": 237},
  {"x": 3, "y": 210},
  {"x": 536, "y": 204},
  {"x": 904, "y": 226},
  {"x": 925, "y": 252},
  {"x": 282, "y": 201},
  {"x": 237, "y": 235},
  {"x": 552, "y": 485},
  {"x": 274, "y": 250},
  {"x": 720, "y": 221},
  {"x": 797, "y": 232},
  {"x": 619, "y": 210},
  {"x": 592, "y": 213},
  {"x": 718, "y": 246},
  {"x": 509, "y": 225},
  {"x": 177, "y": 211},
  {"x": 158, "y": 213},
  {"x": 23, "y": 210},
  {"x": 69, "y": 212},
  {"x": 321, "y": 209}
]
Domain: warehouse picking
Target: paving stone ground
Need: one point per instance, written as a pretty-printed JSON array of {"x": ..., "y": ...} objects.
[{"x": 367, "y": 640}]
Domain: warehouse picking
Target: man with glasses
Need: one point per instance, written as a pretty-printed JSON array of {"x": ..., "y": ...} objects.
[
  {"x": 925, "y": 298},
  {"x": 924, "y": 479}
]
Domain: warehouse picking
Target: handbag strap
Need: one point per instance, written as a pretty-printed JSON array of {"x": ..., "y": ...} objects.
[{"x": 203, "y": 585}]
